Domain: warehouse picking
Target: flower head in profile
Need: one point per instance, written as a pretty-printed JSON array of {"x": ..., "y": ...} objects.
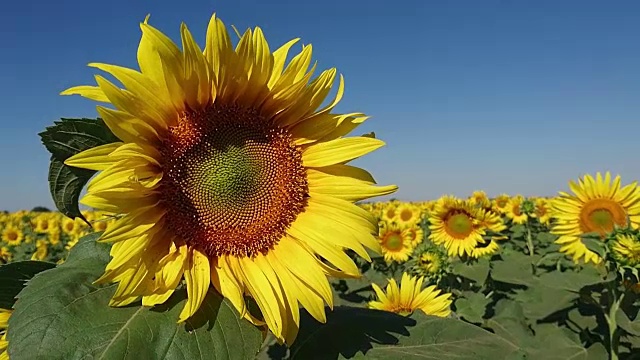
[
  {"x": 230, "y": 171},
  {"x": 409, "y": 297}
]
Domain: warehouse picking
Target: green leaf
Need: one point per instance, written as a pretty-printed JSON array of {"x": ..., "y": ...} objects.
[
  {"x": 66, "y": 184},
  {"x": 575, "y": 280},
  {"x": 476, "y": 271},
  {"x": 68, "y": 137},
  {"x": 555, "y": 343},
  {"x": 596, "y": 245},
  {"x": 515, "y": 268},
  {"x": 540, "y": 301},
  {"x": 628, "y": 325},
  {"x": 355, "y": 332},
  {"x": 472, "y": 306},
  {"x": 14, "y": 277},
  {"x": 62, "y": 315},
  {"x": 510, "y": 323}
]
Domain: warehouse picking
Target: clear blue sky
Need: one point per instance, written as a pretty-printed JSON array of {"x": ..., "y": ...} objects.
[{"x": 513, "y": 97}]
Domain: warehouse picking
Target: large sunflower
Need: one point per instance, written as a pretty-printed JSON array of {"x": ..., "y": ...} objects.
[
  {"x": 4, "y": 322},
  {"x": 597, "y": 207},
  {"x": 460, "y": 226},
  {"x": 228, "y": 173}
]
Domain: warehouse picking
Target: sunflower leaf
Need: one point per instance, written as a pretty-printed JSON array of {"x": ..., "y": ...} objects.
[
  {"x": 66, "y": 184},
  {"x": 356, "y": 333},
  {"x": 66, "y": 138},
  {"x": 61, "y": 314},
  {"x": 14, "y": 277}
]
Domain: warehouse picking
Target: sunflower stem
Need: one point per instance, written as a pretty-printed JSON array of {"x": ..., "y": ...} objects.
[
  {"x": 529, "y": 239},
  {"x": 614, "y": 305}
]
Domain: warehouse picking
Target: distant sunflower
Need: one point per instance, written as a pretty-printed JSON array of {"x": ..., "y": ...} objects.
[
  {"x": 480, "y": 199},
  {"x": 389, "y": 212},
  {"x": 514, "y": 210},
  {"x": 70, "y": 226},
  {"x": 597, "y": 207},
  {"x": 12, "y": 235},
  {"x": 407, "y": 214},
  {"x": 416, "y": 234},
  {"x": 395, "y": 242},
  {"x": 41, "y": 251},
  {"x": 410, "y": 296},
  {"x": 500, "y": 203},
  {"x": 459, "y": 226},
  {"x": 626, "y": 250},
  {"x": 542, "y": 211},
  {"x": 431, "y": 262},
  {"x": 229, "y": 172}
]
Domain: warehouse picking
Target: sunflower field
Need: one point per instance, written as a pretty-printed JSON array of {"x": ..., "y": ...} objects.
[{"x": 227, "y": 221}]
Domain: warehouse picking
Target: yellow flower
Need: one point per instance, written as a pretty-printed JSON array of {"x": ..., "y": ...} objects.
[
  {"x": 41, "y": 251},
  {"x": 409, "y": 297},
  {"x": 407, "y": 214},
  {"x": 4, "y": 324},
  {"x": 395, "y": 242},
  {"x": 542, "y": 211},
  {"x": 229, "y": 173},
  {"x": 45, "y": 224},
  {"x": 500, "y": 203},
  {"x": 514, "y": 210},
  {"x": 480, "y": 199},
  {"x": 5, "y": 254},
  {"x": 488, "y": 247},
  {"x": 597, "y": 206},
  {"x": 12, "y": 235},
  {"x": 416, "y": 234},
  {"x": 460, "y": 226},
  {"x": 626, "y": 250},
  {"x": 390, "y": 212}
]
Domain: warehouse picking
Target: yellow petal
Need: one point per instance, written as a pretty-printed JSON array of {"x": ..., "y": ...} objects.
[
  {"x": 96, "y": 158},
  {"x": 198, "y": 276},
  {"x": 339, "y": 151},
  {"x": 89, "y": 92}
]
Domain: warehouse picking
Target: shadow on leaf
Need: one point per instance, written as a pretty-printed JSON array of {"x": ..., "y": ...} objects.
[{"x": 347, "y": 332}]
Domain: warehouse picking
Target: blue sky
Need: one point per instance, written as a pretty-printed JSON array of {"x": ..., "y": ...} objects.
[{"x": 515, "y": 97}]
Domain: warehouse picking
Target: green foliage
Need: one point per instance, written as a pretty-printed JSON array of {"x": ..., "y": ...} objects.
[
  {"x": 64, "y": 139},
  {"x": 61, "y": 314},
  {"x": 14, "y": 277}
]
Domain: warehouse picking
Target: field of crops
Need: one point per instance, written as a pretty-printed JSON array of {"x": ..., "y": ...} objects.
[{"x": 547, "y": 278}]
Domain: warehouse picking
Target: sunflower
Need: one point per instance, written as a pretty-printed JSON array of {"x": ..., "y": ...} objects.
[
  {"x": 459, "y": 226},
  {"x": 409, "y": 297},
  {"x": 5, "y": 254},
  {"x": 41, "y": 250},
  {"x": 431, "y": 262},
  {"x": 499, "y": 204},
  {"x": 514, "y": 210},
  {"x": 542, "y": 212},
  {"x": 389, "y": 212},
  {"x": 45, "y": 224},
  {"x": 407, "y": 214},
  {"x": 480, "y": 199},
  {"x": 598, "y": 206},
  {"x": 395, "y": 242},
  {"x": 227, "y": 170},
  {"x": 12, "y": 235},
  {"x": 416, "y": 234},
  {"x": 626, "y": 250},
  {"x": 4, "y": 323}
]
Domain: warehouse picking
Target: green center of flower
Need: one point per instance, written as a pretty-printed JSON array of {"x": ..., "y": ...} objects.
[
  {"x": 394, "y": 241},
  {"x": 233, "y": 182},
  {"x": 600, "y": 215},
  {"x": 459, "y": 225}
]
